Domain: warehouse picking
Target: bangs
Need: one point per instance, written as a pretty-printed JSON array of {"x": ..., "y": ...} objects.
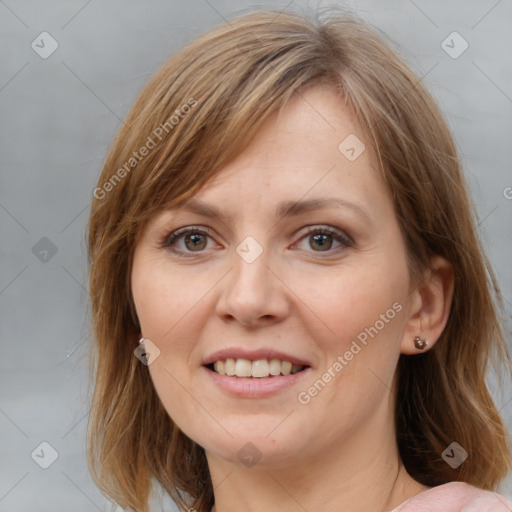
[{"x": 204, "y": 107}]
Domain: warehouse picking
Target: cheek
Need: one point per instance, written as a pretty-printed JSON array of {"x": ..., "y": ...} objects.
[
  {"x": 363, "y": 310},
  {"x": 357, "y": 304},
  {"x": 165, "y": 300}
]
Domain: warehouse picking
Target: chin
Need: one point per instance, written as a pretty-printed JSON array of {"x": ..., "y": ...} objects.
[
  {"x": 256, "y": 442},
  {"x": 259, "y": 453}
]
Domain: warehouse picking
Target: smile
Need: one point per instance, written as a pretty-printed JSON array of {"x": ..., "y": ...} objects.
[
  {"x": 253, "y": 379},
  {"x": 260, "y": 368}
]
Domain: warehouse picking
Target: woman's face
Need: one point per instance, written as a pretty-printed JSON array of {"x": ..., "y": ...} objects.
[{"x": 305, "y": 264}]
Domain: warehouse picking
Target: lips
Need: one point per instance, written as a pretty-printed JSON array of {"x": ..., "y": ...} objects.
[{"x": 255, "y": 388}]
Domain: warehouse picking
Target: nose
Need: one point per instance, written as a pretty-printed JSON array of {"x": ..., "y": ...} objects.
[{"x": 253, "y": 294}]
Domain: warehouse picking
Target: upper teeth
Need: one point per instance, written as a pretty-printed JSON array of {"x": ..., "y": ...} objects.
[{"x": 258, "y": 368}]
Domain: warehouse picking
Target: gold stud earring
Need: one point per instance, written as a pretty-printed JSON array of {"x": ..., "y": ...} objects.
[{"x": 420, "y": 343}]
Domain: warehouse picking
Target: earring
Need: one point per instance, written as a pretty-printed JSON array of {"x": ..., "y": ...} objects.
[{"x": 420, "y": 343}]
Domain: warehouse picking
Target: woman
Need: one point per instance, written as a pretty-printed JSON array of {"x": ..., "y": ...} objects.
[{"x": 282, "y": 235}]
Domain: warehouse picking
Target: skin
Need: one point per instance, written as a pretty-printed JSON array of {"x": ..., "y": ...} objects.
[{"x": 337, "y": 452}]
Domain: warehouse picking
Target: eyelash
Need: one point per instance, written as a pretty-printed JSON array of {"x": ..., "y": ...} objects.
[{"x": 171, "y": 239}]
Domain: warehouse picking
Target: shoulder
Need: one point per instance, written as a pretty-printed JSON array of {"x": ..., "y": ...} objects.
[{"x": 455, "y": 497}]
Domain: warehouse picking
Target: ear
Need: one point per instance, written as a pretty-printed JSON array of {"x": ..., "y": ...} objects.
[{"x": 429, "y": 306}]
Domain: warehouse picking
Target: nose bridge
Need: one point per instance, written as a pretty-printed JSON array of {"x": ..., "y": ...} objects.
[
  {"x": 251, "y": 290},
  {"x": 250, "y": 282}
]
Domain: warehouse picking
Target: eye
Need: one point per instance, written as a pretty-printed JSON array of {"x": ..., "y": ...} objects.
[
  {"x": 189, "y": 239},
  {"x": 321, "y": 239},
  {"x": 195, "y": 240}
]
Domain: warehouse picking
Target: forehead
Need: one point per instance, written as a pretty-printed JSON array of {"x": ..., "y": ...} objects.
[
  {"x": 297, "y": 163},
  {"x": 310, "y": 147}
]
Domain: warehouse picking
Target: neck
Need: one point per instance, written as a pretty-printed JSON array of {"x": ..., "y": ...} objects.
[{"x": 361, "y": 473}]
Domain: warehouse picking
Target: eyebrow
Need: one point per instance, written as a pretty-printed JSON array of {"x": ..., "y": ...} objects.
[{"x": 283, "y": 210}]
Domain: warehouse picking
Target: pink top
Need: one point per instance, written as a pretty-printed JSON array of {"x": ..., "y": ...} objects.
[{"x": 455, "y": 497}]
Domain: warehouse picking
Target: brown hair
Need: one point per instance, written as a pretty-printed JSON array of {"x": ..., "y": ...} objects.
[{"x": 233, "y": 79}]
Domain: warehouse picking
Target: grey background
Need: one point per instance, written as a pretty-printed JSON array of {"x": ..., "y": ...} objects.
[{"x": 58, "y": 117}]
